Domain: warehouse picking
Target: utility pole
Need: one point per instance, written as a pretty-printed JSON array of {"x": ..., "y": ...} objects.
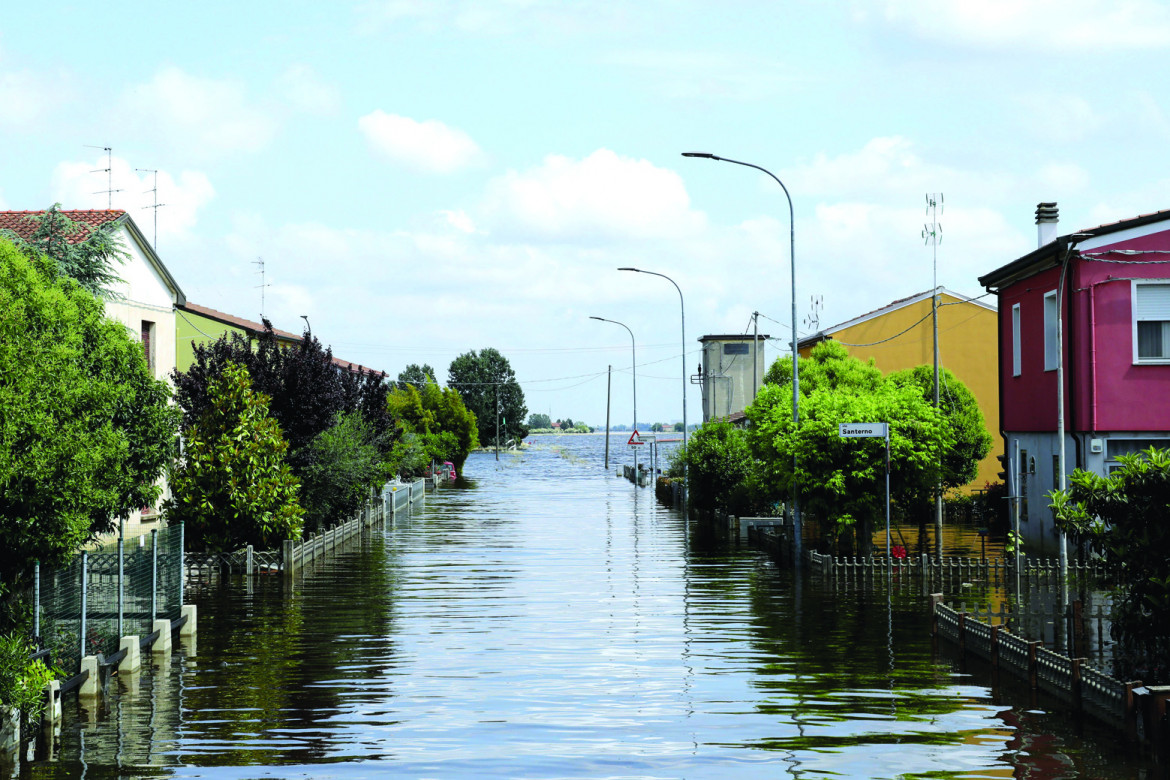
[
  {"x": 931, "y": 233},
  {"x": 608, "y": 386},
  {"x": 755, "y": 354},
  {"x": 497, "y": 422}
]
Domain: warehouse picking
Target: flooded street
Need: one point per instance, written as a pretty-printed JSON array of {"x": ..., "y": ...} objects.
[{"x": 547, "y": 620}]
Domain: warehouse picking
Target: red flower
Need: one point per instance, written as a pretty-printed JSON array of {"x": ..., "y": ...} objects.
[{"x": 898, "y": 551}]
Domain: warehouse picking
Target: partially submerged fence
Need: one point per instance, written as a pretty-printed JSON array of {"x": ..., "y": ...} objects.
[
  {"x": 394, "y": 500},
  {"x": 85, "y": 607},
  {"x": 1114, "y": 702}
]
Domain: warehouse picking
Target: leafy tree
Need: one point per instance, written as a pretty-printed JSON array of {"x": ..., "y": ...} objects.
[
  {"x": 969, "y": 440},
  {"x": 678, "y": 427},
  {"x": 308, "y": 392},
  {"x": 567, "y": 424},
  {"x": 656, "y": 428},
  {"x": 346, "y": 465},
  {"x": 233, "y": 487},
  {"x": 539, "y": 421},
  {"x": 482, "y": 378},
  {"x": 720, "y": 468},
  {"x": 85, "y": 253},
  {"x": 440, "y": 426},
  {"x": 85, "y": 430},
  {"x": 1125, "y": 518},
  {"x": 841, "y": 480},
  {"x": 416, "y": 375}
]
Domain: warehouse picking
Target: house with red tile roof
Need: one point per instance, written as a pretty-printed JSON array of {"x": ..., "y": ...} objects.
[{"x": 144, "y": 300}]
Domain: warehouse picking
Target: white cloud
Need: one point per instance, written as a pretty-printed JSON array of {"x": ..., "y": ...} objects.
[
  {"x": 1085, "y": 26},
  {"x": 429, "y": 146},
  {"x": 304, "y": 90},
  {"x": 600, "y": 198},
  {"x": 201, "y": 117},
  {"x": 76, "y": 186}
]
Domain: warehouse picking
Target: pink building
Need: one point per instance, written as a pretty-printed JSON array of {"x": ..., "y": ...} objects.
[{"x": 1113, "y": 285}]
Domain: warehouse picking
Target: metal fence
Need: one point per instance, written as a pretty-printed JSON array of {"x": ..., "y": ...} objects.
[
  {"x": 394, "y": 500},
  {"x": 87, "y": 606}
]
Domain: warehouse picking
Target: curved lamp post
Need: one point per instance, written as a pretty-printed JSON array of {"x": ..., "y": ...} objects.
[
  {"x": 797, "y": 541},
  {"x": 682, "y": 308},
  {"x": 634, "y": 374}
]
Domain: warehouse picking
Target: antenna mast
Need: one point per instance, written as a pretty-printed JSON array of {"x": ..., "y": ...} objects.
[
  {"x": 109, "y": 172},
  {"x": 156, "y": 203},
  {"x": 259, "y": 261},
  {"x": 932, "y": 235}
]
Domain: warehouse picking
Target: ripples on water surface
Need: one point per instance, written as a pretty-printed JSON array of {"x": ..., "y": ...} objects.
[{"x": 546, "y": 620}]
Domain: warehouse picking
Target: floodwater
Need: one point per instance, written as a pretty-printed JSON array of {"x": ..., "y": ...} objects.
[{"x": 546, "y": 619}]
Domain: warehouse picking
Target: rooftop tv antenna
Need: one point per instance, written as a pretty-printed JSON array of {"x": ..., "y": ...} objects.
[
  {"x": 260, "y": 262},
  {"x": 156, "y": 205},
  {"x": 109, "y": 172},
  {"x": 932, "y": 235},
  {"x": 812, "y": 320}
]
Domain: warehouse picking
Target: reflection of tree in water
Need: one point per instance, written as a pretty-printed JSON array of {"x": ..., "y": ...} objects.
[{"x": 263, "y": 656}]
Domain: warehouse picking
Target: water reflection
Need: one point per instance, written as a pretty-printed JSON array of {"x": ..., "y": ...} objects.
[{"x": 543, "y": 619}]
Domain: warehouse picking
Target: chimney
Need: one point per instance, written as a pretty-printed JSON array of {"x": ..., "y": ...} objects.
[{"x": 1047, "y": 217}]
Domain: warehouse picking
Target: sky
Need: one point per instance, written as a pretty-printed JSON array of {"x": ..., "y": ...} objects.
[{"x": 422, "y": 178}]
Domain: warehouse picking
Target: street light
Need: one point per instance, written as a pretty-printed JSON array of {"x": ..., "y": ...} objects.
[
  {"x": 797, "y": 542},
  {"x": 634, "y": 374},
  {"x": 683, "y": 309}
]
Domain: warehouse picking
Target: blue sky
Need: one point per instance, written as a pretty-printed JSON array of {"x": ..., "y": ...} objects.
[{"x": 425, "y": 178}]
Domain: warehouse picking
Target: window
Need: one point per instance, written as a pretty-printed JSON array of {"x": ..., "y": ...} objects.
[
  {"x": 1151, "y": 322},
  {"x": 1051, "y": 358},
  {"x": 1016, "y": 340},
  {"x": 148, "y": 344}
]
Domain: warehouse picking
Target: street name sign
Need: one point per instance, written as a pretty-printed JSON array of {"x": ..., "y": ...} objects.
[{"x": 862, "y": 430}]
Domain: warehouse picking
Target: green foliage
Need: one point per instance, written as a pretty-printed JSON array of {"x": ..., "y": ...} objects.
[
  {"x": 22, "y": 682},
  {"x": 539, "y": 421},
  {"x": 82, "y": 252},
  {"x": 440, "y": 426},
  {"x": 416, "y": 376},
  {"x": 85, "y": 430},
  {"x": 1125, "y": 518},
  {"x": 720, "y": 467},
  {"x": 233, "y": 486},
  {"x": 346, "y": 465},
  {"x": 842, "y": 481},
  {"x": 483, "y": 378}
]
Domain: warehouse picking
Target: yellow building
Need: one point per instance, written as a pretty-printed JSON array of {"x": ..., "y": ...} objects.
[
  {"x": 901, "y": 335},
  {"x": 195, "y": 324}
]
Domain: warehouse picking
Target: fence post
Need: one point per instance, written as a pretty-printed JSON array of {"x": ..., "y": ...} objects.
[
  {"x": 994, "y": 645},
  {"x": 287, "y": 558},
  {"x": 37, "y": 602},
  {"x": 182, "y": 562},
  {"x": 935, "y": 600},
  {"x": 1033, "y": 670},
  {"x": 153, "y": 574},
  {"x": 248, "y": 562},
  {"x": 1131, "y": 711},
  {"x": 84, "y": 587},
  {"x": 121, "y": 579},
  {"x": 1078, "y": 702}
]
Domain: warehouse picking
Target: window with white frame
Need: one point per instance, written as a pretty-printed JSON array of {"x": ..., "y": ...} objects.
[
  {"x": 1051, "y": 358},
  {"x": 1016, "y": 339},
  {"x": 1151, "y": 322}
]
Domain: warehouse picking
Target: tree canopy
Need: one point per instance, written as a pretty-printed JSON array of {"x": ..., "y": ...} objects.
[
  {"x": 84, "y": 253},
  {"x": 233, "y": 486},
  {"x": 415, "y": 375},
  {"x": 482, "y": 378},
  {"x": 85, "y": 430},
  {"x": 843, "y": 480}
]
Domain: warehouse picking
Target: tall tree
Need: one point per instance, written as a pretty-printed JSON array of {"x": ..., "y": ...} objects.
[
  {"x": 233, "y": 486},
  {"x": 843, "y": 480},
  {"x": 484, "y": 378},
  {"x": 83, "y": 252},
  {"x": 85, "y": 430},
  {"x": 538, "y": 420},
  {"x": 416, "y": 375}
]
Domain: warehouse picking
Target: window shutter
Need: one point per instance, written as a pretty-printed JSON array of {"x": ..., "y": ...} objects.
[{"x": 1153, "y": 302}]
